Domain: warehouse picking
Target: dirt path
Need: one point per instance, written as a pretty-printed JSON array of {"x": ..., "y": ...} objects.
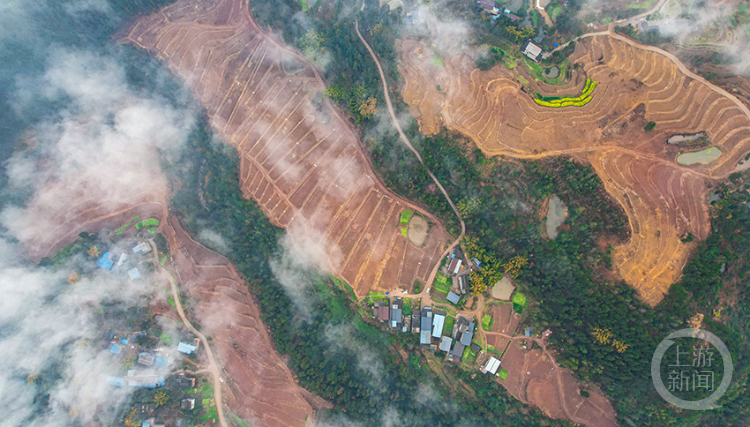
[
  {"x": 542, "y": 11},
  {"x": 406, "y": 141},
  {"x": 213, "y": 367}
]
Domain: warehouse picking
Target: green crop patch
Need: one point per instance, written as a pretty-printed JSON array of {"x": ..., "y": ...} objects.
[
  {"x": 503, "y": 374},
  {"x": 406, "y": 216},
  {"x": 151, "y": 222},
  {"x": 486, "y": 322},
  {"x": 520, "y": 299},
  {"x": 442, "y": 283},
  {"x": 579, "y": 101}
]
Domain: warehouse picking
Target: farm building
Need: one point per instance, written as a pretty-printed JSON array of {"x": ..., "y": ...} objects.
[
  {"x": 105, "y": 261},
  {"x": 114, "y": 348},
  {"x": 488, "y": 5},
  {"x": 185, "y": 382},
  {"x": 425, "y": 336},
  {"x": 491, "y": 366},
  {"x": 467, "y": 336},
  {"x": 381, "y": 311},
  {"x": 187, "y": 404},
  {"x": 416, "y": 321},
  {"x": 438, "y": 320},
  {"x": 457, "y": 352},
  {"x": 134, "y": 273},
  {"x": 142, "y": 248},
  {"x": 146, "y": 359},
  {"x": 455, "y": 265},
  {"x": 144, "y": 381},
  {"x": 445, "y": 344},
  {"x": 463, "y": 284},
  {"x": 531, "y": 50},
  {"x": 186, "y": 348},
  {"x": 397, "y": 313},
  {"x": 116, "y": 381},
  {"x": 453, "y": 297},
  {"x": 161, "y": 361}
]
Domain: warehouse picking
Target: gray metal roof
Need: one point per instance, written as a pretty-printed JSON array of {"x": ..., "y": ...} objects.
[
  {"x": 445, "y": 345},
  {"x": 453, "y": 297},
  {"x": 437, "y": 325},
  {"x": 425, "y": 337}
]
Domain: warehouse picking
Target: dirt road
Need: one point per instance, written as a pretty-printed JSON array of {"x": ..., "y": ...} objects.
[
  {"x": 213, "y": 367},
  {"x": 406, "y": 141}
]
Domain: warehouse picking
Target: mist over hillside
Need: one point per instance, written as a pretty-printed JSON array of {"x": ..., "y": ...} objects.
[{"x": 79, "y": 116}]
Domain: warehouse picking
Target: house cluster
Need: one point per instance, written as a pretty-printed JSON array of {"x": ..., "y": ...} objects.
[
  {"x": 429, "y": 324},
  {"x": 458, "y": 268},
  {"x": 126, "y": 262},
  {"x": 491, "y": 8},
  {"x": 151, "y": 364},
  {"x": 187, "y": 404}
]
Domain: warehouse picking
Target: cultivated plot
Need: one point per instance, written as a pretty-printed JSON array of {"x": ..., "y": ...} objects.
[
  {"x": 300, "y": 160},
  {"x": 664, "y": 200}
]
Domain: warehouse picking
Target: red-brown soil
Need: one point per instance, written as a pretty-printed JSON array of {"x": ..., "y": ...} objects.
[
  {"x": 534, "y": 378},
  {"x": 300, "y": 160},
  {"x": 259, "y": 386},
  {"x": 663, "y": 200}
]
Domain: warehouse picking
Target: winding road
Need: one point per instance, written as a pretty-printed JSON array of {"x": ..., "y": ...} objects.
[
  {"x": 213, "y": 367},
  {"x": 406, "y": 141}
]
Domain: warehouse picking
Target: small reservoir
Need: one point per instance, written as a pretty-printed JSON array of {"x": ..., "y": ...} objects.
[
  {"x": 556, "y": 214},
  {"x": 703, "y": 157}
]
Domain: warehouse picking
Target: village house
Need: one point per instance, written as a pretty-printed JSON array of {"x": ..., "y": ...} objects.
[
  {"x": 397, "y": 313},
  {"x": 425, "y": 334},
  {"x": 531, "y": 50}
]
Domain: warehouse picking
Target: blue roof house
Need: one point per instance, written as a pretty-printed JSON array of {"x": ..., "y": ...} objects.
[
  {"x": 105, "y": 261},
  {"x": 114, "y": 348},
  {"x": 116, "y": 381},
  {"x": 185, "y": 348}
]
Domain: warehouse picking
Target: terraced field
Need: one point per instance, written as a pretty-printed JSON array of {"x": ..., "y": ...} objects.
[
  {"x": 300, "y": 161},
  {"x": 663, "y": 200}
]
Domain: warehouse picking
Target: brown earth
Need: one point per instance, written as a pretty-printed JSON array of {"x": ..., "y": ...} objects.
[
  {"x": 260, "y": 387},
  {"x": 535, "y": 379},
  {"x": 663, "y": 200},
  {"x": 300, "y": 160}
]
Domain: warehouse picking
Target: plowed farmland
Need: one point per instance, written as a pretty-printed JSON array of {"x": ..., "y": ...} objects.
[
  {"x": 663, "y": 200},
  {"x": 300, "y": 161},
  {"x": 262, "y": 389}
]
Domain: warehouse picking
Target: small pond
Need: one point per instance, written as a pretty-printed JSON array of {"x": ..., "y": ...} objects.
[
  {"x": 551, "y": 72},
  {"x": 703, "y": 157}
]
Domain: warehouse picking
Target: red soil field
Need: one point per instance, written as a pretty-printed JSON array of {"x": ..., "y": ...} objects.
[
  {"x": 300, "y": 160},
  {"x": 662, "y": 199},
  {"x": 260, "y": 387}
]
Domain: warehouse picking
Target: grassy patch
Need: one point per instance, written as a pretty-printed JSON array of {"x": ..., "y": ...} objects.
[
  {"x": 437, "y": 61},
  {"x": 171, "y": 301},
  {"x": 166, "y": 339},
  {"x": 303, "y": 3},
  {"x": 442, "y": 283},
  {"x": 486, "y": 322},
  {"x": 448, "y": 325},
  {"x": 407, "y": 309},
  {"x": 120, "y": 230},
  {"x": 151, "y": 222},
  {"x": 503, "y": 374},
  {"x": 406, "y": 215},
  {"x": 519, "y": 302}
]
